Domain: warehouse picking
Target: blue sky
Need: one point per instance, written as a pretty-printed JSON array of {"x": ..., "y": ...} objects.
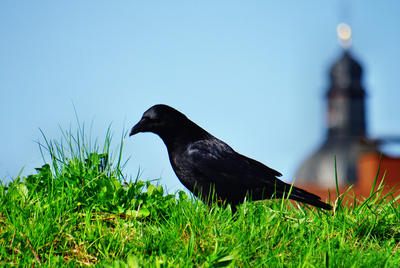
[{"x": 252, "y": 73}]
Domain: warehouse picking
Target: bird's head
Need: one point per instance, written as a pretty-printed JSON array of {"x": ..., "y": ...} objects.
[{"x": 160, "y": 119}]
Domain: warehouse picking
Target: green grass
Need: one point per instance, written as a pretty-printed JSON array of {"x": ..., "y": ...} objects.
[{"x": 80, "y": 210}]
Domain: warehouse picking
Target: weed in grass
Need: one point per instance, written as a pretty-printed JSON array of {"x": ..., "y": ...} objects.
[{"x": 79, "y": 210}]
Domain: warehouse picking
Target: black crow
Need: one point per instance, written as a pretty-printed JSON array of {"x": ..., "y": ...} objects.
[{"x": 208, "y": 166}]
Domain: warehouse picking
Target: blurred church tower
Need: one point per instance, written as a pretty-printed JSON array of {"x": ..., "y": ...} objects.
[
  {"x": 346, "y": 133},
  {"x": 346, "y": 136}
]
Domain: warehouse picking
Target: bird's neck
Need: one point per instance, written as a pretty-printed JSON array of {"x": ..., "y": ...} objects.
[{"x": 177, "y": 139}]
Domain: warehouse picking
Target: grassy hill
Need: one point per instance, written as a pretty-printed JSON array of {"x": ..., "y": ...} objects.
[{"x": 80, "y": 210}]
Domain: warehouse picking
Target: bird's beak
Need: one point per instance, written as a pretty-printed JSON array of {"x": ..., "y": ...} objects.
[{"x": 137, "y": 128}]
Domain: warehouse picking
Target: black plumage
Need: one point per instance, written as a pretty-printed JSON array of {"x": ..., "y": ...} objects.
[{"x": 206, "y": 165}]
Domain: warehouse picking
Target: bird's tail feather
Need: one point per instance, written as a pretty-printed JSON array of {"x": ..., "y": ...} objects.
[{"x": 303, "y": 196}]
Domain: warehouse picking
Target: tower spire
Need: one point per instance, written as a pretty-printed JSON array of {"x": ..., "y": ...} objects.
[{"x": 346, "y": 108}]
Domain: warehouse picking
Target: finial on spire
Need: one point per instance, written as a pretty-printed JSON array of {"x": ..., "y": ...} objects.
[{"x": 344, "y": 35}]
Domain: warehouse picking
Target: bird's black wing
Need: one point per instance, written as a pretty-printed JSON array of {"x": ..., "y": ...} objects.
[{"x": 218, "y": 162}]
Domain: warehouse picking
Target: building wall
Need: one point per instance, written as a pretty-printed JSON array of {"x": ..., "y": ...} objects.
[
  {"x": 367, "y": 170},
  {"x": 368, "y": 166}
]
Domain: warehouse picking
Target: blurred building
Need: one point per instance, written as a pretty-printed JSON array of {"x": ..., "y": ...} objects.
[{"x": 357, "y": 157}]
